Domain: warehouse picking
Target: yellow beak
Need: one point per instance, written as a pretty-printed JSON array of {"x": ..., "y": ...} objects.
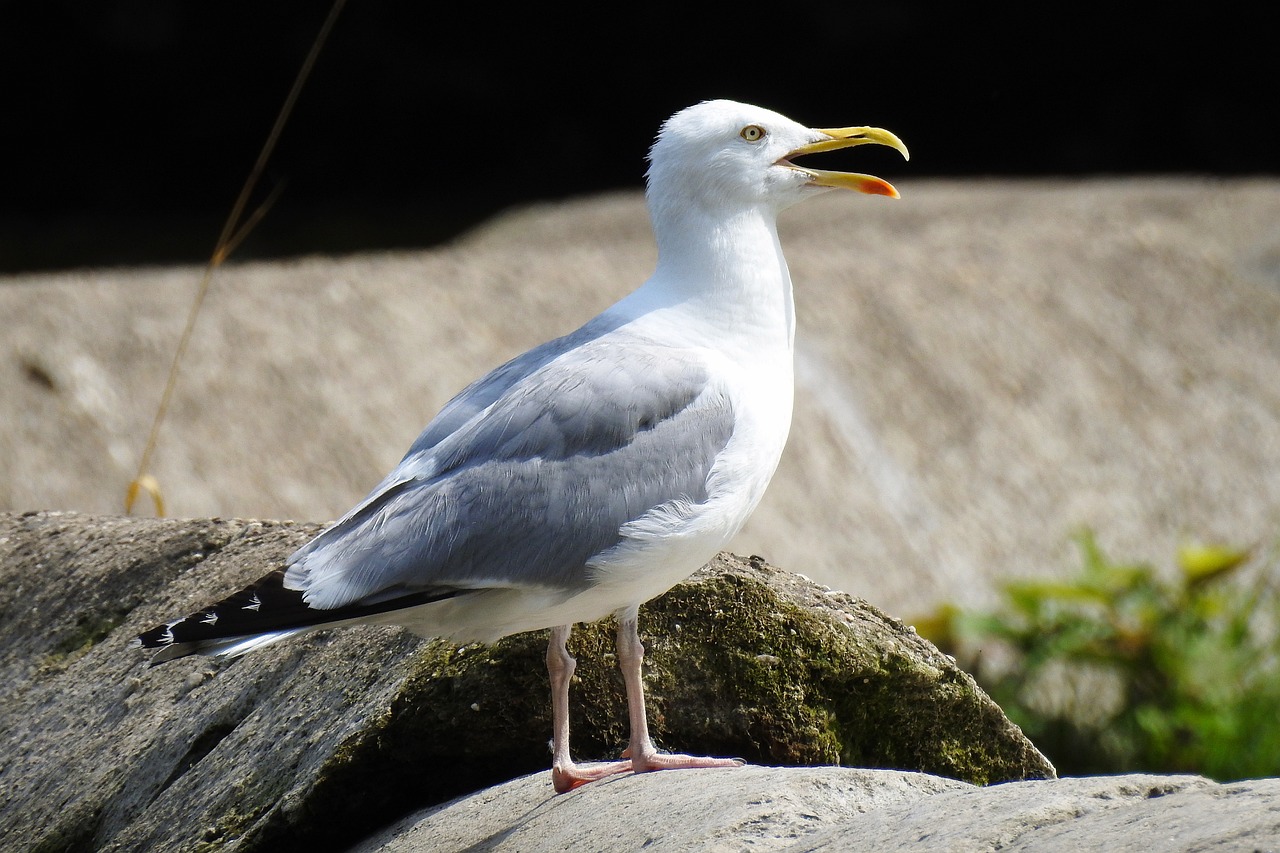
[{"x": 847, "y": 137}]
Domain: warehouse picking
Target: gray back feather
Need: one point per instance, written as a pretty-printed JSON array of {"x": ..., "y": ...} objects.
[{"x": 529, "y": 473}]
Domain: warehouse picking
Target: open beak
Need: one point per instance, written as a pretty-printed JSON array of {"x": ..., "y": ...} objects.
[{"x": 847, "y": 137}]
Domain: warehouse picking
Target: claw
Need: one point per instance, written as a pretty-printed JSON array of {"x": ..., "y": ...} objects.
[
  {"x": 565, "y": 778},
  {"x": 669, "y": 761}
]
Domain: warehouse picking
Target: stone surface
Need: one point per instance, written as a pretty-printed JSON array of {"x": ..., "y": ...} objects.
[
  {"x": 842, "y": 809},
  {"x": 752, "y": 808},
  {"x": 1136, "y": 813},
  {"x": 318, "y": 742},
  {"x": 983, "y": 368}
]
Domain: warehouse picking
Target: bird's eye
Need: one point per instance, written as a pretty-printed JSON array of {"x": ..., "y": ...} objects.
[{"x": 752, "y": 133}]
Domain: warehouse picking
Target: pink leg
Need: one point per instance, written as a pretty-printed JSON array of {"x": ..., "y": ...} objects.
[
  {"x": 644, "y": 757},
  {"x": 565, "y": 775}
]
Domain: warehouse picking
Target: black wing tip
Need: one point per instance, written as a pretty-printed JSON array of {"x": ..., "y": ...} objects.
[
  {"x": 238, "y": 615},
  {"x": 161, "y": 640},
  {"x": 264, "y": 608},
  {"x": 159, "y": 637}
]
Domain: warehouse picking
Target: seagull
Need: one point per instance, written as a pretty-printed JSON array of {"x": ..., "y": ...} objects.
[{"x": 596, "y": 471}]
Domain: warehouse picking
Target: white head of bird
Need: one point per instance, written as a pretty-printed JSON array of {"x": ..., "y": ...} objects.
[
  {"x": 723, "y": 155},
  {"x": 719, "y": 174}
]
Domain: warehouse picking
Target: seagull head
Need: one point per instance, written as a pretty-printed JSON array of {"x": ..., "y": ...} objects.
[{"x": 724, "y": 154}]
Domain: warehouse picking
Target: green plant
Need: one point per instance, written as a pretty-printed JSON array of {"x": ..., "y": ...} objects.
[{"x": 1123, "y": 669}]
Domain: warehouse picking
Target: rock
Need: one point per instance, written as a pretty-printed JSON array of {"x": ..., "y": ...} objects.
[
  {"x": 755, "y": 808},
  {"x": 1136, "y": 813},
  {"x": 841, "y": 809},
  {"x": 983, "y": 368},
  {"x": 318, "y": 742}
]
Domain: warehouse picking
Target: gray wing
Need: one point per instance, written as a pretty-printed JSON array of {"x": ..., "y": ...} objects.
[
  {"x": 534, "y": 483},
  {"x": 486, "y": 391},
  {"x": 418, "y": 461}
]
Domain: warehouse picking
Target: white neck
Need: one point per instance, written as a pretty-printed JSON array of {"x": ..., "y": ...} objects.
[{"x": 730, "y": 272}]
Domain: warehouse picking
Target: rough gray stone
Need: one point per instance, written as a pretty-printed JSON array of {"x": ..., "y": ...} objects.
[
  {"x": 319, "y": 741},
  {"x": 753, "y": 808},
  {"x": 799, "y": 810},
  {"x": 1135, "y": 813}
]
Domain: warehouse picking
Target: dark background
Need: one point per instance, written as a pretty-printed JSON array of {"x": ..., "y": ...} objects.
[{"x": 131, "y": 125}]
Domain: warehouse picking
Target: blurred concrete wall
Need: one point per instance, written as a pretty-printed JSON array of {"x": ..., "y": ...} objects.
[{"x": 984, "y": 367}]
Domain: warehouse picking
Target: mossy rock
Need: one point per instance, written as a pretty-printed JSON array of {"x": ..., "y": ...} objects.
[{"x": 317, "y": 742}]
